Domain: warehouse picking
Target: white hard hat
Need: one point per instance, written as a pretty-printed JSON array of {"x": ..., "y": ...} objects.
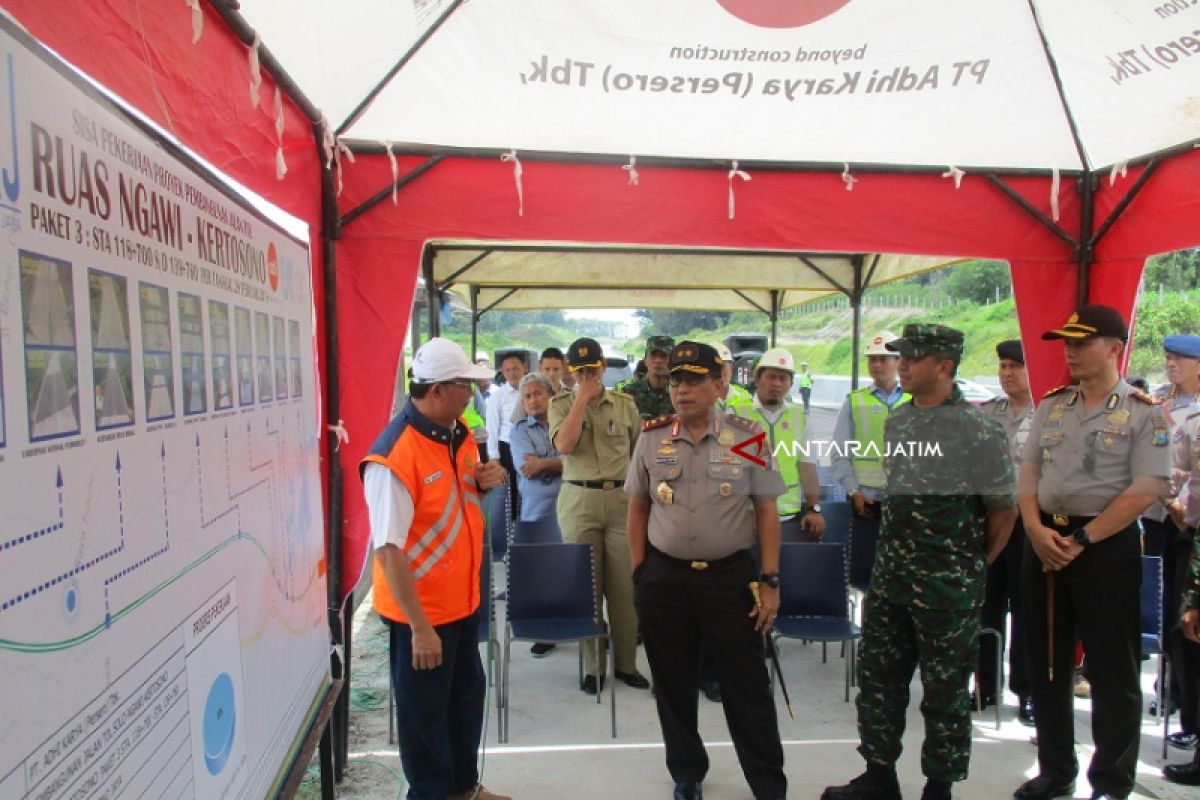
[
  {"x": 723, "y": 352},
  {"x": 777, "y": 358},
  {"x": 878, "y": 344}
]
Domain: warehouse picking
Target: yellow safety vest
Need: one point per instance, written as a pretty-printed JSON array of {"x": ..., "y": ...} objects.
[
  {"x": 789, "y": 428},
  {"x": 867, "y": 416}
]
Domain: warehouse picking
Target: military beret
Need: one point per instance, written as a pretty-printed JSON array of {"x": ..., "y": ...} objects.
[
  {"x": 1182, "y": 344},
  {"x": 1012, "y": 350}
]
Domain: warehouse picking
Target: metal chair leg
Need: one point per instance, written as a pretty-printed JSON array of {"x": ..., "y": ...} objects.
[{"x": 612, "y": 687}]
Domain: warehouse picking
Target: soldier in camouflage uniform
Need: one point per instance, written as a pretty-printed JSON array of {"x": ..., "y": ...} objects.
[
  {"x": 947, "y": 509},
  {"x": 1185, "y": 511},
  {"x": 650, "y": 393}
]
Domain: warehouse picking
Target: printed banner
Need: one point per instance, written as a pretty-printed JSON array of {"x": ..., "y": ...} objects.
[{"x": 162, "y": 585}]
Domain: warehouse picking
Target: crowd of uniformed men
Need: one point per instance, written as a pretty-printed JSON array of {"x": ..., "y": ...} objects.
[{"x": 680, "y": 481}]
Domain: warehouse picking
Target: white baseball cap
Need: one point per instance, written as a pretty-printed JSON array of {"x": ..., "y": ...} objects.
[{"x": 442, "y": 360}]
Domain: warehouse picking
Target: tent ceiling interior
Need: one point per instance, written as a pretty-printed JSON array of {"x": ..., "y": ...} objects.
[
  {"x": 562, "y": 274},
  {"x": 958, "y": 81}
]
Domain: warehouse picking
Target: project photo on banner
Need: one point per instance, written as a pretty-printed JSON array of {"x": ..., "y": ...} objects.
[{"x": 160, "y": 508}]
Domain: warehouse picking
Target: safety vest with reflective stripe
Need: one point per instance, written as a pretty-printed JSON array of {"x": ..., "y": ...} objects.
[
  {"x": 445, "y": 541},
  {"x": 867, "y": 416},
  {"x": 789, "y": 428},
  {"x": 736, "y": 398}
]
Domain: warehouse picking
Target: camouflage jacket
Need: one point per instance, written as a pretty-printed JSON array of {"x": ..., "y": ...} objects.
[
  {"x": 946, "y": 467},
  {"x": 651, "y": 403}
]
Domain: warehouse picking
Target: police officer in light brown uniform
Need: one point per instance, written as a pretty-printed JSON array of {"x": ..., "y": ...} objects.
[
  {"x": 696, "y": 507},
  {"x": 1096, "y": 458},
  {"x": 594, "y": 430}
]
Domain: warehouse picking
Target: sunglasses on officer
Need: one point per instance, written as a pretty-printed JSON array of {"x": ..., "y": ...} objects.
[{"x": 690, "y": 379}]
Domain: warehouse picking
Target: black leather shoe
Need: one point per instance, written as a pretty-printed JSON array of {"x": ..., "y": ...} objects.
[
  {"x": 541, "y": 649},
  {"x": 589, "y": 684},
  {"x": 712, "y": 690},
  {"x": 867, "y": 786},
  {"x": 1187, "y": 774},
  {"x": 1183, "y": 740},
  {"x": 685, "y": 790},
  {"x": 633, "y": 679},
  {"x": 1044, "y": 787},
  {"x": 1025, "y": 713}
]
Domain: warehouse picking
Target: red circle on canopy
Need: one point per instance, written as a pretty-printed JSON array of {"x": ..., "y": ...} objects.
[
  {"x": 273, "y": 266},
  {"x": 781, "y": 13}
]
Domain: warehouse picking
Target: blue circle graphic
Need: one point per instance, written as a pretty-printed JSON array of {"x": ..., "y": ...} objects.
[
  {"x": 219, "y": 719},
  {"x": 71, "y": 601}
]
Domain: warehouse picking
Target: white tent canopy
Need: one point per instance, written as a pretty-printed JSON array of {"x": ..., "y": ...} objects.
[
  {"x": 509, "y": 276},
  {"x": 1021, "y": 84}
]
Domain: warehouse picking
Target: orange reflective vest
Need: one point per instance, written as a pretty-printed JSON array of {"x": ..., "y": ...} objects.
[{"x": 445, "y": 541}]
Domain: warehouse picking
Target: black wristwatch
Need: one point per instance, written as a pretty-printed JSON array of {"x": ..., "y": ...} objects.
[
  {"x": 770, "y": 579},
  {"x": 815, "y": 508},
  {"x": 1080, "y": 535}
]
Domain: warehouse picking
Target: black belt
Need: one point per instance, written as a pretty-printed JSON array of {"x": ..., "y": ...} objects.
[
  {"x": 605, "y": 485},
  {"x": 1064, "y": 521},
  {"x": 700, "y": 564}
]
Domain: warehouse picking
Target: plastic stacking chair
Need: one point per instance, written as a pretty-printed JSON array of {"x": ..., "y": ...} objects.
[
  {"x": 837, "y": 521},
  {"x": 543, "y": 530},
  {"x": 1154, "y": 636},
  {"x": 814, "y": 602},
  {"x": 864, "y": 539},
  {"x": 998, "y": 689},
  {"x": 497, "y": 514},
  {"x": 552, "y": 598}
]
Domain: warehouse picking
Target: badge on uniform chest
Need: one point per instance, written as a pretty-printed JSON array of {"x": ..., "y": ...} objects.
[
  {"x": 661, "y": 459},
  {"x": 666, "y": 494}
]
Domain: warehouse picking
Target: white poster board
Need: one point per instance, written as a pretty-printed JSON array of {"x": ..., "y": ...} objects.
[{"x": 163, "y": 628}]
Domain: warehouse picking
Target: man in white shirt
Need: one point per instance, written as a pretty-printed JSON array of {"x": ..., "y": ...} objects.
[{"x": 499, "y": 421}]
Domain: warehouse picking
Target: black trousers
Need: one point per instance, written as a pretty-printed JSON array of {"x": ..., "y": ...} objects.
[
  {"x": 1185, "y": 654},
  {"x": 677, "y": 607},
  {"x": 506, "y": 461},
  {"x": 1003, "y": 596},
  {"x": 1097, "y": 598}
]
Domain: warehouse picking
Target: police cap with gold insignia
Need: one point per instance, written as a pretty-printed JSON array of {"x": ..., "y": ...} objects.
[
  {"x": 921, "y": 339},
  {"x": 695, "y": 357},
  {"x": 584, "y": 353},
  {"x": 1091, "y": 322},
  {"x": 659, "y": 344}
]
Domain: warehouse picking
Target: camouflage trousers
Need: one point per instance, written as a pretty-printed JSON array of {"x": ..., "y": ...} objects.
[{"x": 896, "y": 639}]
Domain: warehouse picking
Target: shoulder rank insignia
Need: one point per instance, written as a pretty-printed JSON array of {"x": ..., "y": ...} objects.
[
  {"x": 742, "y": 423},
  {"x": 658, "y": 422},
  {"x": 1145, "y": 398},
  {"x": 1057, "y": 390}
]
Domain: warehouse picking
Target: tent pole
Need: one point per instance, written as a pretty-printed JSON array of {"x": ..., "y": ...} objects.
[
  {"x": 774, "y": 317},
  {"x": 431, "y": 293},
  {"x": 1084, "y": 250},
  {"x": 856, "y": 317},
  {"x": 340, "y": 631},
  {"x": 474, "y": 321}
]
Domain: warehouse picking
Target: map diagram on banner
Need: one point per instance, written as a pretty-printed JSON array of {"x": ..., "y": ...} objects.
[{"x": 163, "y": 623}]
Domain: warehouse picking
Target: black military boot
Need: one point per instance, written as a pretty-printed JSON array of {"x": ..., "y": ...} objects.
[
  {"x": 936, "y": 790},
  {"x": 877, "y": 783}
]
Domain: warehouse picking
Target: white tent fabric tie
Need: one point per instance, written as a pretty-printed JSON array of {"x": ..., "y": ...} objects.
[
  {"x": 1120, "y": 168},
  {"x": 518, "y": 171},
  {"x": 735, "y": 173},
  {"x": 255, "y": 73},
  {"x": 395, "y": 168},
  {"x": 280, "y": 163},
  {"x": 197, "y": 19},
  {"x": 327, "y": 141},
  {"x": 339, "y": 433},
  {"x": 631, "y": 168},
  {"x": 847, "y": 178},
  {"x": 341, "y": 150},
  {"x": 956, "y": 173},
  {"x": 1055, "y": 183}
]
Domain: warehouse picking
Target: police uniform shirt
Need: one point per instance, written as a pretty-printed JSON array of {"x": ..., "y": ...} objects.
[
  {"x": 1016, "y": 424},
  {"x": 702, "y": 493},
  {"x": 1178, "y": 405},
  {"x": 610, "y": 429},
  {"x": 1089, "y": 456},
  {"x": 1186, "y": 458}
]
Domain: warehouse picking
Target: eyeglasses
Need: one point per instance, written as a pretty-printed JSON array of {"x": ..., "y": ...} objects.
[
  {"x": 462, "y": 384},
  {"x": 691, "y": 380}
]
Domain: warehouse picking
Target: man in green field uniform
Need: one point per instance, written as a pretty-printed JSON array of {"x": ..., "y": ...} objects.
[
  {"x": 650, "y": 393},
  {"x": 947, "y": 509}
]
